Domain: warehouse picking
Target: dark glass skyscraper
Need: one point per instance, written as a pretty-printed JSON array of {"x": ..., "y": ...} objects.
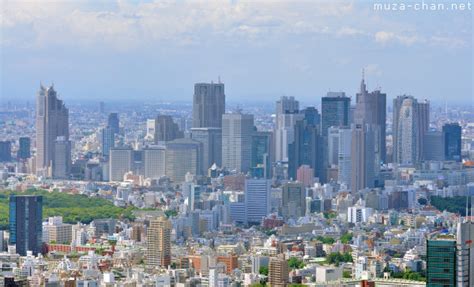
[
  {"x": 113, "y": 122},
  {"x": 334, "y": 111},
  {"x": 452, "y": 141},
  {"x": 5, "y": 151},
  {"x": 24, "y": 151},
  {"x": 306, "y": 147},
  {"x": 25, "y": 223},
  {"x": 208, "y": 105},
  {"x": 441, "y": 263}
]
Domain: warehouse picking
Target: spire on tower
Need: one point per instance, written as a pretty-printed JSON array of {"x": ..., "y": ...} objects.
[{"x": 363, "y": 87}]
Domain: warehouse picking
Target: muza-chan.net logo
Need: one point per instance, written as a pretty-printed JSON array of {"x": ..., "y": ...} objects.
[{"x": 423, "y": 6}]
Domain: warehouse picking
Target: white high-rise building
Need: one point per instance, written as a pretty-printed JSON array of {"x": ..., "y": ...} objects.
[
  {"x": 333, "y": 146},
  {"x": 287, "y": 113},
  {"x": 237, "y": 130},
  {"x": 408, "y": 133}
]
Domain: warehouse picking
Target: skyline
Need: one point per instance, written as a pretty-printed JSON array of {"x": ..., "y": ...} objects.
[{"x": 139, "y": 49}]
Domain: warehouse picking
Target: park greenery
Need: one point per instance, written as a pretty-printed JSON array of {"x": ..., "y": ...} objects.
[
  {"x": 295, "y": 263},
  {"x": 456, "y": 204},
  {"x": 346, "y": 238},
  {"x": 72, "y": 207},
  {"x": 326, "y": 240},
  {"x": 336, "y": 258},
  {"x": 263, "y": 270},
  {"x": 409, "y": 275}
]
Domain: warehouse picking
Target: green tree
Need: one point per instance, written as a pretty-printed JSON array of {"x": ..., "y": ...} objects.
[
  {"x": 295, "y": 263},
  {"x": 346, "y": 238},
  {"x": 263, "y": 270}
]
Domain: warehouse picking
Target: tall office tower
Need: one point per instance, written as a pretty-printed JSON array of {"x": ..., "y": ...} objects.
[
  {"x": 211, "y": 140},
  {"x": 465, "y": 254},
  {"x": 424, "y": 123},
  {"x": 371, "y": 109},
  {"x": 121, "y": 161},
  {"x": 257, "y": 200},
  {"x": 293, "y": 200},
  {"x": 113, "y": 122},
  {"x": 408, "y": 137},
  {"x": 154, "y": 162},
  {"x": 25, "y": 223},
  {"x": 278, "y": 273},
  {"x": 287, "y": 113},
  {"x": 333, "y": 146},
  {"x": 433, "y": 146},
  {"x": 362, "y": 157},
  {"x": 334, "y": 111},
  {"x": 183, "y": 156},
  {"x": 237, "y": 130},
  {"x": 345, "y": 156},
  {"x": 166, "y": 129},
  {"x": 52, "y": 121},
  {"x": 262, "y": 152},
  {"x": 452, "y": 141},
  {"x": 24, "y": 151},
  {"x": 61, "y": 168},
  {"x": 441, "y": 262},
  {"x": 306, "y": 148},
  {"x": 208, "y": 105},
  {"x": 150, "y": 129},
  {"x": 5, "y": 151},
  {"x": 107, "y": 141},
  {"x": 419, "y": 112},
  {"x": 158, "y": 252}
]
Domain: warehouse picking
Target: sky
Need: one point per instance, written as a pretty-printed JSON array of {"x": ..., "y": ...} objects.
[{"x": 155, "y": 51}]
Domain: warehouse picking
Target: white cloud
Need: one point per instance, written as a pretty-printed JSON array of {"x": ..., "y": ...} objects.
[{"x": 124, "y": 25}]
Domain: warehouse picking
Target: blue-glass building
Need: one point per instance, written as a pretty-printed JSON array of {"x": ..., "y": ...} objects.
[
  {"x": 25, "y": 223},
  {"x": 452, "y": 141}
]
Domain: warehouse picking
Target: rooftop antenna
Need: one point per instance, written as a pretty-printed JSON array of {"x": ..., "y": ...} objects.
[{"x": 219, "y": 79}]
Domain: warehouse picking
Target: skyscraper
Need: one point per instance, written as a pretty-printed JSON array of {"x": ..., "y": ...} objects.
[
  {"x": 158, "y": 244},
  {"x": 408, "y": 136},
  {"x": 183, "y": 156},
  {"x": 208, "y": 105},
  {"x": 25, "y": 223},
  {"x": 52, "y": 121},
  {"x": 452, "y": 141},
  {"x": 345, "y": 156},
  {"x": 371, "y": 109},
  {"x": 257, "y": 200},
  {"x": 287, "y": 113},
  {"x": 409, "y": 129},
  {"x": 262, "y": 152},
  {"x": 166, "y": 129},
  {"x": 114, "y": 123},
  {"x": 334, "y": 111},
  {"x": 24, "y": 151},
  {"x": 5, "y": 151},
  {"x": 306, "y": 147},
  {"x": 107, "y": 141},
  {"x": 362, "y": 157},
  {"x": 293, "y": 200},
  {"x": 61, "y": 158},
  {"x": 237, "y": 131}
]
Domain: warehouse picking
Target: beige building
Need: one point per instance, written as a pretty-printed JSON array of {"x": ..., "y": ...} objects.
[{"x": 158, "y": 243}]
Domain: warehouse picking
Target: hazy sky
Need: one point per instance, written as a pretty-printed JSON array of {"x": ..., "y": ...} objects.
[{"x": 157, "y": 50}]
